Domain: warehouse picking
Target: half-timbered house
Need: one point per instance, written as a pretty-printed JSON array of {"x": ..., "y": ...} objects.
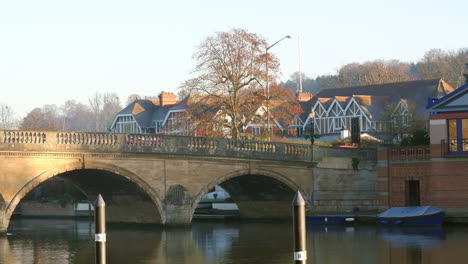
[{"x": 331, "y": 109}]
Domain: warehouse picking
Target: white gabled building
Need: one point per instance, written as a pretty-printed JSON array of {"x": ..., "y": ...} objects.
[
  {"x": 165, "y": 115},
  {"x": 331, "y": 109}
]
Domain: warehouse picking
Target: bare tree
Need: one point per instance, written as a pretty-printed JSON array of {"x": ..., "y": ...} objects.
[
  {"x": 110, "y": 107},
  {"x": 7, "y": 117},
  {"x": 466, "y": 74},
  {"x": 230, "y": 70},
  {"x": 448, "y": 65},
  {"x": 95, "y": 103},
  {"x": 374, "y": 72},
  {"x": 104, "y": 107},
  {"x": 46, "y": 118},
  {"x": 133, "y": 97},
  {"x": 76, "y": 117}
]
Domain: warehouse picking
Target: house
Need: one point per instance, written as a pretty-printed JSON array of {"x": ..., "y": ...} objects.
[
  {"x": 331, "y": 109},
  {"x": 434, "y": 174},
  {"x": 165, "y": 115},
  {"x": 448, "y": 123}
]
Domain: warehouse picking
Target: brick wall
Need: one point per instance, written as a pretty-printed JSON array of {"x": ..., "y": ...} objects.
[{"x": 443, "y": 182}]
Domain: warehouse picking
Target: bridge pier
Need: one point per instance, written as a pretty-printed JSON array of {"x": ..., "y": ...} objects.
[
  {"x": 3, "y": 223},
  {"x": 178, "y": 206},
  {"x": 178, "y": 215}
]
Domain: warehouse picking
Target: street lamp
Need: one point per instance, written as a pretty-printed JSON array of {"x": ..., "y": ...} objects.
[
  {"x": 267, "y": 83},
  {"x": 312, "y": 127}
]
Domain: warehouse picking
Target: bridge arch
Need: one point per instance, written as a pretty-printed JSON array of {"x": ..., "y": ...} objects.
[
  {"x": 266, "y": 176},
  {"x": 65, "y": 169},
  {"x": 2, "y": 203}
]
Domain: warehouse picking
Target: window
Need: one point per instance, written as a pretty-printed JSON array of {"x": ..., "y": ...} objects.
[
  {"x": 458, "y": 135},
  {"x": 158, "y": 126},
  {"x": 338, "y": 123},
  {"x": 126, "y": 124},
  {"x": 256, "y": 131},
  {"x": 299, "y": 131}
]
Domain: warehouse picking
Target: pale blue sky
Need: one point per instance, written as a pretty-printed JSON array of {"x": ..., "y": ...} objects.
[{"x": 54, "y": 50}]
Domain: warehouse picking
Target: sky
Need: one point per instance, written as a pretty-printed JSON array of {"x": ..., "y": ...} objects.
[{"x": 57, "y": 50}]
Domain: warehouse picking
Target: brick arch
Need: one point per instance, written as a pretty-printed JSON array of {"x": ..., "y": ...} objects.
[
  {"x": 10, "y": 208},
  {"x": 268, "y": 173}
]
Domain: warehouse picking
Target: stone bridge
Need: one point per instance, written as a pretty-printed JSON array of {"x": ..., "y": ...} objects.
[{"x": 161, "y": 179}]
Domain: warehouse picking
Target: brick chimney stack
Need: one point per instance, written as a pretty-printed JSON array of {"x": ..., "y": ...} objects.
[
  {"x": 166, "y": 98},
  {"x": 304, "y": 96}
]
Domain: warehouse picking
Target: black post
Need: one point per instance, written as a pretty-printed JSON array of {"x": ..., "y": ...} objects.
[
  {"x": 100, "y": 229},
  {"x": 300, "y": 252}
]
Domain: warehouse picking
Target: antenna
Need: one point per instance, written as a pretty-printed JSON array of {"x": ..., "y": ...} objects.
[{"x": 299, "y": 89}]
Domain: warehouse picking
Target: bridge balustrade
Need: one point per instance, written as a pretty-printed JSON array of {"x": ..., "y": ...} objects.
[
  {"x": 86, "y": 138},
  {"x": 54, "y": 141},
  {"x": 23, "y": 137}
]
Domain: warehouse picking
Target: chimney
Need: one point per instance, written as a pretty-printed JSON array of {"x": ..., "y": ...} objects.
[
  {"x": 166, "y": 98},
  {"x": 304, "y": 96},
  {"x": 344, "y": 132}
]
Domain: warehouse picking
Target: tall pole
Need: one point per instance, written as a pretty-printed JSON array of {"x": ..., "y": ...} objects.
[
  {"x": 300, "y": 72},
  {"x": 100, "y": 229},
  {"x": 268, "y": 92},
  {"x": 268, "y": 85},
  {"x": 300, "y": 253}
]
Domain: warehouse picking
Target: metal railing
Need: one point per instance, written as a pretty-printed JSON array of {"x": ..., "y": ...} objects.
[
  {"x": 454, "y": 146},
  {"x": 410, "y": 153}
]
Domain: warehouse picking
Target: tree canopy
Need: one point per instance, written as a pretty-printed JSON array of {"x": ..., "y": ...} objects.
[
  {"x": 435, "y": 64},
  {"x": 229, "y": 83}
]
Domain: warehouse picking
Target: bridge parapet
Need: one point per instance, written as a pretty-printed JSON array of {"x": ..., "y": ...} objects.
[{"x": 53, "y": 141}]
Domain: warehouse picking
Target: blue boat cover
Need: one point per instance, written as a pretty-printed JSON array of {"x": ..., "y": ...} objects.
[{"x": 412, "y": 211}]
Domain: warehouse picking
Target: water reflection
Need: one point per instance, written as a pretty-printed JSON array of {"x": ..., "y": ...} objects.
[
  {"x": 68, "y": 241},
  {"x": 412, "y": 237}
]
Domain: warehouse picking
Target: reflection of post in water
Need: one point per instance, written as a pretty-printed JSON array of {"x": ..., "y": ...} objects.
[
  {"x": 391, "y": 254},
  {"x": 415, "y": 255},
  {"x": 5, "y": 252},
  {"x": 37, "y": 251}
]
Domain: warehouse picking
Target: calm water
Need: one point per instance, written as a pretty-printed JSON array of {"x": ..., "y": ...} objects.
[{"x": 69, "y": 241}]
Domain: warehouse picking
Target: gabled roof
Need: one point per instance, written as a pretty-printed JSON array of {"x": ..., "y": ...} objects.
[
  {"x": 455, "y": 101},
  {"x": 373, "y": 98},
  {"x": 141, "y": 110},
  {"x": 144, "y": 111}
]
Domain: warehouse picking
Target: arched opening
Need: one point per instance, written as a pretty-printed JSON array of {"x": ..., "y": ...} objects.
[
  {"x": 259, "y": 196},
  {"x": 126, "y": 200}
]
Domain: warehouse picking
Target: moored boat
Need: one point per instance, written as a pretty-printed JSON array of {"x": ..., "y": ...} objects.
[
  {"x": 329, "y": 219},
  {"x": 412, "y": 216}
]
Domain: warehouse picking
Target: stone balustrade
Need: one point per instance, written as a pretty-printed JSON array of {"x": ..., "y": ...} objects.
[
  {"x": 52, "y": 141},
  {"x": 144, "y": 143}
]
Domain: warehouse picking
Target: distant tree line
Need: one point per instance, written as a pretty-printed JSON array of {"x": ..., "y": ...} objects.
[
  {"x": 96, "y": 116},
  {"x": 436, "y": 63}
]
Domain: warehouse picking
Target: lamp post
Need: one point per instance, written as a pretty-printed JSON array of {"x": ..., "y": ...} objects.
[
  {"x": 267, "y": 83},
  {"x": 312, "y": 127}
]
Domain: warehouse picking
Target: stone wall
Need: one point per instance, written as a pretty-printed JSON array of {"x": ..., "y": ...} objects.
[
  {"x": 33, "y": 208},
  {"x": 342, "y": 184}
]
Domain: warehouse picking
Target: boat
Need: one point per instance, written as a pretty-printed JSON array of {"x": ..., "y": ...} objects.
[
  {"x": 412, "y": 216},
  {"x": 329, "y": 219}
]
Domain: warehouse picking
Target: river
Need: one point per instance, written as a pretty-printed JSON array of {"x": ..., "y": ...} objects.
[{"x": 38, "y": 241}]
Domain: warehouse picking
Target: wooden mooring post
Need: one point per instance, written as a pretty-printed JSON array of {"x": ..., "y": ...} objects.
[
  {"x": 299, "y": 229},
  {"x": 100, "y": 229}
]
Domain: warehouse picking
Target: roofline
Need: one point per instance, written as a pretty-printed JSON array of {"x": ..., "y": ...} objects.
[
  {"x": 447, "y": 96},
  {"x": 380, "y": 84},
  {"x": 120, "y": 115},
  {"x": 169, "y": 112}
]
